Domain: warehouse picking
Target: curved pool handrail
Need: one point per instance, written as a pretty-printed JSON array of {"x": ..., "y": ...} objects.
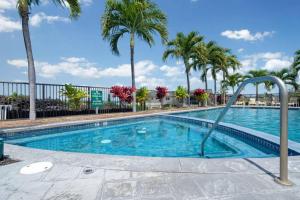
[{"x": 283, "y": 178}]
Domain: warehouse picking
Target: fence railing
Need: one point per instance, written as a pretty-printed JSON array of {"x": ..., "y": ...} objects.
[{"x": 50, "y": 101}]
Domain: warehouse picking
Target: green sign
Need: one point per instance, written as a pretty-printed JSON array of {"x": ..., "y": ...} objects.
[{"x": 97, "y": 98}]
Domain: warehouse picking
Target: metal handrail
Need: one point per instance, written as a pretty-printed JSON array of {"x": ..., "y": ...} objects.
[{"x": 283, "y": 92}]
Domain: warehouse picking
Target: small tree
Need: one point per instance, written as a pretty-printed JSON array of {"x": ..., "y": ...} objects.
[
  {"x": 161, "y": 93},
  {"x": 123, "y": 93},
  {"x": 181, "y": 93},
  {"x": 74, "y": 96},
  {"x": 202, "y": 96},
  {"x": 142, "y": 95}
]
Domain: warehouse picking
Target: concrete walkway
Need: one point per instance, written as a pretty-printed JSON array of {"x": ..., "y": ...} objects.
[{"x": 128, "y": 178}]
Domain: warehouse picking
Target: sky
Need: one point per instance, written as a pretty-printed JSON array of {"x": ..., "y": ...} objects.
[{"x": 264, "y": 34}]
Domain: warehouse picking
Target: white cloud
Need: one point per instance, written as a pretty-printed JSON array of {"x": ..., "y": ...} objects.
[
  {"x": 277, "y": 64},
  {"x": 81, "y": 67},
  {"x": 86, "y": 2},
  {"x": 246, "y": 35},
  {"x": 241, "y": 50},
  {"x": 171, "y": 71},
  {"x": 40, "y": 17},
  {"x": 18, "y": 63},
  {"x": 272, "y": 61},
  {"x": 150, "y": 82},
  {"x": 7, "y": 4},
  {"x": 9, "y": 25}
]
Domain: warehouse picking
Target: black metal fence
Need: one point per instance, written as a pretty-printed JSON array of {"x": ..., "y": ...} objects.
[{"x": 51, "y": 102}]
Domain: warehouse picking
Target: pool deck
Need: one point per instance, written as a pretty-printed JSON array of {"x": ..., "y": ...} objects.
[
  {"x": 141, "y": 178},
  {"x": 129, "y": 177}
]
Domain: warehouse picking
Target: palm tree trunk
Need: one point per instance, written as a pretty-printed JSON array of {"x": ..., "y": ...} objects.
[
  {"x": 187, "y": 80},
  {"x": 31, "y": 68},
  {"x": 188, "y": 88},
  {"x": 215, "y": 95},
  {"x": 224, "y": 92},
  {"x": 132, "y": 71},
  {"x": 256, "y": 97},
  {"x": 205, "y": 80}
]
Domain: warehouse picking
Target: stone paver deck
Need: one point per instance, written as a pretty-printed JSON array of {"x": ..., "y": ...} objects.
[
  {"x": 128, "y": 178},
  {"x": 140, "y": 178}
]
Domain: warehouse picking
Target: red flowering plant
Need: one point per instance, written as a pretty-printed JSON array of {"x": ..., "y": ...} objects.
[
  {"x": 123, "y": 93},
  {"x": 201, "y": 95},
  {"x": 161, "y": 93}
]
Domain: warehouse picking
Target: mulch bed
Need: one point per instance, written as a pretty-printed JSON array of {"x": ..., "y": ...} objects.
[{"x": 6, "y": 161}]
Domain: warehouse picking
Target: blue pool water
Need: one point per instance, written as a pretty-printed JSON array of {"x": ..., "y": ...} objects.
[
  {"x": 262, "y": 119},
  {"x": 148, "y": 137}
]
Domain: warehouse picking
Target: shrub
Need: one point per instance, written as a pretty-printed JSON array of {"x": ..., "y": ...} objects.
[
  {"x": 142, "y": 95},
  {"x": 181, "y": 93},
  {"x": 123, "y": 93},
  {"x": 74, "y": 96},
  {"x": 161, "y": 93},
  {"x": 201, "y": 95}
]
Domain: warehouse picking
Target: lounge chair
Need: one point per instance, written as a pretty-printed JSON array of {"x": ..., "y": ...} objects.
[{"x": 252, "y": 102}]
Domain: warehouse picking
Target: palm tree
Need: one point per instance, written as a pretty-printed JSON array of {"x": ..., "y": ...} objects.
[
  {"x": 288, "y": 77},
  {"x": 254, "y": 74},
  {"x": 230, "y": 61},
  {"x": 215, "y": 59},
  {"x": 200, "y": 62},
  {"x": 24, "y": 8},
  {"x": 183, "y": 47},
  {"x": 296, "y": 63},
  {"x": 232, "y": 81},
  {"x": 141, "y": 18}
]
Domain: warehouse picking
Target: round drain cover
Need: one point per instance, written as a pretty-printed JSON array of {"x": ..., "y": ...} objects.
[
  {"x": 105, "y": 141},
  {"x": 35, "y": 168}
]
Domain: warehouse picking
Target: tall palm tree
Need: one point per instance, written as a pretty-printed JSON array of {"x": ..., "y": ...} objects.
[
  {"x": 24, "y": 9},
  {"x": 288, "y": 77},
  {"x": 215, "y": 60},
  {"x": 183, "y": 47},
  {"x": 230, "y": 61},
  {"x": 141, "y": 18},
  {"x": 254, "y": 74},
  {"x": 232, "y": 80},
  {"x": 200, "y": 62}
]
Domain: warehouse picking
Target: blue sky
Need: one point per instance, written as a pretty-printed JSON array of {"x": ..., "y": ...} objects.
[{"x": 262, "y": 33}]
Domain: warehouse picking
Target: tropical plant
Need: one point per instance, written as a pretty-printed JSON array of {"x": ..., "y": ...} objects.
[
  {"x": 74, "y": 96},
  {"x": 287, "y": 76},
  {"x": 254, "y": 74},
  {"x": 141, "y": 18},
  {"x": 201, "y": 95},
  {"x": 296, "y": 63},
  {"x": 232, "y": 80},
  {"x": 123, "y": 93},
  {"x": 215, "y": 59},
  {"x": 161, "y": 93},
  {"x": 200, "y": 62},
  {"x": 181, "y": 93},
  {"x": 142, "y": 95},
  {"x": 183, "y": 47},
  {"x": 231, "y": 62},
  {"x": 24, "y": 9}
]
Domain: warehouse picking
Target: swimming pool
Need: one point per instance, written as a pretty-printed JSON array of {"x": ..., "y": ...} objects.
[
  {"x": 149, "y": 136},
  {"x": 262, "y": 119}
]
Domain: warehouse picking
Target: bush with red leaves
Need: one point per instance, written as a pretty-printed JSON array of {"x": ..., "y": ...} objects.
[
  {"x": 199, "y": 92},
  {"x": 123, "y": 93},
  {"x": 161, "y": 92}
]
